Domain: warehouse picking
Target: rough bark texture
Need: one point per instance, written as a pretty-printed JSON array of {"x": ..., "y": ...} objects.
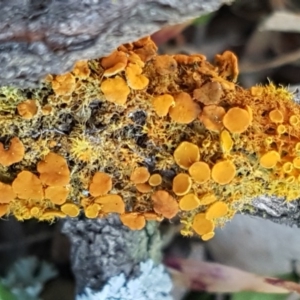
[{"x": 41, "y": 37}]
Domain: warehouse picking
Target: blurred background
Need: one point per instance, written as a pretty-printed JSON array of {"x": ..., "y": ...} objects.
[{"x": 265, "y": 36}]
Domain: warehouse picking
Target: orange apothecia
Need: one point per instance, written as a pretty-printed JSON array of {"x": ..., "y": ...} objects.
[{"x": 13, "y": 154}]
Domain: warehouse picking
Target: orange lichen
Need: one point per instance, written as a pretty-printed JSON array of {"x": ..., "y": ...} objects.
[
  {"x": 115, "y": 90},
  {"x": 27, "y": 109},
  {"x": 28, "y": 186},
  {"x": 52, "y": 214},
  {"x": 294, "y": 120},
  {"x": 276, "y": 116},
  {"x": 111, "y": 204},
  {"x": 287, "y": 167},
  {"x": 6, "y": 193},
  {"x": 54, "y": 170},
  {"x": 165, "y": 64},
  {"x": 134, "y": 58},
  {"x": 185, "y": 109},
  {"x": 226, "y": 141},
  {"x": 64, "y": 84},
  {"x": 186, "y": 154},
  {"x": 81, "y": 69},
  {"x": 3, "y": 209},
  {"x": 223, "y": 172},
  {"x": 70, "y": 209},
  {"x": 134, "y": 77},
  {"x": 133, "y": 220},
  {"x": 56, "y": 194},
  {"x": 201, "y": 225},
  {"x": 216, "y": 210},
  {"x": 101, "y": 184},
  {"x": 143, "y": 188},
  {"x": 207, "y": 236},
  {"x": 162, "y": 104},
  {"x": 13, "y": 154},
  {"x": 296, "y": 162},
  {"x": 189, "y": 202},
  {"x": 182, "y": 183},
  {"x": 237, "y": 120},
  {"x": 140, "y": 175},
  {"x": 35, "y": 211},
  {"x": 228, "y": 65},
  {"x": 281, "y": 129},
  {"x": 209, "y": 94},
  {"x": 152, "y": 216},
  {"x": 145, "y": 48},
  {"x": 155, "y": 180},
  {"x": 92, "y": 211},
  {"x": 200, "y": 171},
  {"x": 164, "y": 204},
  {"x": 114, "y": 63},
  {"x": 212, "y": 116},
  {"x": 47, "y": 110},
  {"x": 207, "y": 198},
  {"x": 269, "y": 159}
]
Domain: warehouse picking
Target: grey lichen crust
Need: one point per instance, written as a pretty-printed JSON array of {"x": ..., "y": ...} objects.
[
  {"x": 104, "y": 248},
  {"x": 42, "y": 37}
]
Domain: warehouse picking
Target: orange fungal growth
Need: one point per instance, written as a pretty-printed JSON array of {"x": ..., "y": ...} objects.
[
  {"x": 111, "y": 204},
  {"x": 212, "y": 116},
  {"x": 200, "y": 171},
  {"x": 294, "y": 120},
  {"x": 162, "y": 104},
  {"x": 27, "y": 109},
  {"x": 201, "y": 225},
  {"x": 226, "y": 141},
  {"x": 165, "y": 64},
  {"x": 28, "y": 186},
  {"x": 133, "y": 220},
  {"x": 216, "y": 210},
  {"x": 223, "y": 172},
  {"x": 81, "y": 69},
  {"x": 64, "y": 84},
  {"x": 209, "y": 94},
  {"x": 269, "y": 159},
  {"x": 207, "y": 199},
  {"x": 207, "y": 236},
  {"x": 228, "y": 65},
  {"x": 101, "y": 184},
  {"x": 6, "y": 193},
  {"x": 70, "y": 209},
  {"x": 237, "y": 120},
  {"x": 140, "y": 175},
  {"x": 134, "y": 77},
  {"x": 185, "y": 109},
  {"x": 54, "y": 170},
  {"x": 186, "y": 154},
  {"x": 92, "y": 211},
  {"x": 57, "y": 194},
  {"x": 143, "y": 188},
  {"x": 155, "y": 180},
  {"x": 182, "y": 183},
  {"x": 164, "y": 204},
  {"x": 13, "y": 154},
  {"x": 276, "y": 116},
  {"x": 115, "y": 90},
  {"x": 189, "y": 202}
]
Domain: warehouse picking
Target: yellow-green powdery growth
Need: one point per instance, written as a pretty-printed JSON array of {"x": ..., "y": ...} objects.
[{"x": 148, "y": 137}]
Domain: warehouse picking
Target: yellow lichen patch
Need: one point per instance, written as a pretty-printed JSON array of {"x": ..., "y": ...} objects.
[
  {"x": 56, "y": 194},
  {"x": 276, "y": 116},
  {"x": 228, "y": 65},
  {"x": 134, "y": 77},
  {"x": 207, "y": 198},
  {"x": 207, "y": 236},
  {"x": 223, "y": 172},
  {"x": 101, "y": 184},
  {"x": 115, "y": 90},
  {"x": 81, "y": 69},
  {"x": 182, "y": 183},
  {"x": 237, "y": 120},
  {"x": 164, "y": 204},
  {"x": 3, "y": 209},
  {"x": 13, "y": 154},
  {"x": 28, "y": 186},
  {"x": 64, "y": 84},
  {"x": 143, "y": 188},
  {"x": 296, "y": 162},
  {"x": 111, "y": 204},
  {"x": 6, "y": 193},
  {"x": 54, "y": 170},
  {"x": 212, "y": 116},
  {"x": 226, "y": 141},
  {"x": 70, "y": 209},
  {"x": 200, "y": 172},
  {"x": 185, "y": 109},
  {"x": 269, "y": 159},
  {"x": 287, "y": 167},
  {"x": 186, "y": 154},
  {"x": 216, "y": 210},
  {"x": 294, "y": 120},
  {"x": 35, "y": 211},
  {"x": 209, "y": 94},
  {"x": 92, "y": 211},
  {"x": 155, "y": 180},
  {"x": 189, "y": 202},
  {"x": 165, "y": 64},
  {"x": 281, "y": 129},
  {"x": 162, "y": 104},
  {"x": 51, "y": 214},
  {"x": 133, "y": 220},
  {"x": 201, "y": 225},
  {"x": 140, "y": 175},
  {"x": 27, "y": 109}
]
